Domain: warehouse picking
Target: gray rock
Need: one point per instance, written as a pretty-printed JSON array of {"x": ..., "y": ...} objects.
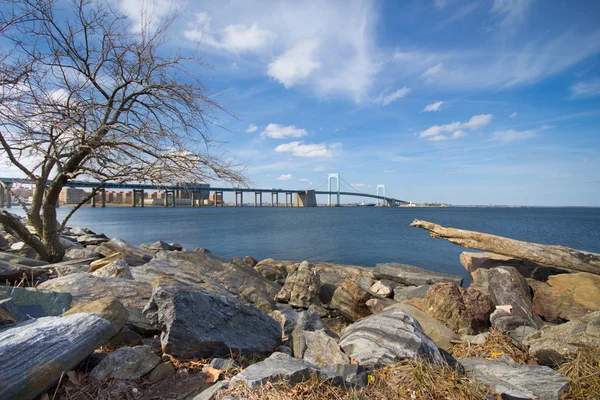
[
  {"x": 80, "y": 231},
  {"x": 35, "y": 353},
  {"x": 13, "y": 273},
  {"x": 286, "y": 350},
  {"x": 301, "y": 288},
  {"x": 280, "y": 366},
  {"x": 15, "y": 259},
  {"x": 411, "y": 275},
  {"x": 162, "y": 371},
  {"x": 402, "y": 293},
  {"x": 116, "y": 269},
  {"x": 317, "y": 347},
  {"x": 552, "y": 345},
  {"x": 518, "y": 335},
  {"x": 64, "y": 270},
  {"x": 69, "y": 243},
  {"x": 76, "y": 254},
  {"x": 508, "y": 287},
  {"x": 126, "y": 363},
  {"x": 124, "y": 248},
  {"x": 378, "y": 305},
  {"x": 9, "y": 311},
  {"x": 288, "y": 320},
  {"x": 211, "y": 392},
  {"x": 197, "y": 322},
  {"x": 159, "y": 246},
  {"x": 527, "y": 381},
  {"x": 37, "y": 303},
  {"x": 92, "y": 240},
  {"x": 126, "y": 337},
  {"x": 23, "y": 250},
  {"x": 386, "y": 338},
  {"x": 223, "y": 363}
]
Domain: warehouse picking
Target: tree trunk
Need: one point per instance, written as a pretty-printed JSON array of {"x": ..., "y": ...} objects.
[
  {"x": 23, "y": 233},
  {"x": 557, "y": 256}
]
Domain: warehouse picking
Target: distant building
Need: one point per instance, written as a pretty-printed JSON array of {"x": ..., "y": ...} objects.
[{"x": 71, "y": 195}]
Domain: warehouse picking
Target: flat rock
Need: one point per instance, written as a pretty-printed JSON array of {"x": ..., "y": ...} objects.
[
  {"x": 116, "y": 269},
  {"x": 529, "y": 269},
  {"x": 552, "y": 345},
  {"x": 108, "y": 308},
  {"x": 13, "y": 272},
  {"x": 292, "y": 370},
  {"x": 36, "y": 303},
  {"x": 35, "y": 353},
  {"x": 508, "y": 287},
  {"x": 524, "y": 381},
  {"x": 124, "y": 248},
  {"x": 567, "y": 296},
  {"x": 127, "y": 363},
  {"x": 159, "y": 246},
  {"x": 301, "y": 288},
  {"x": 383, "y": 288},
  {"x": 86, "y": 287},
  {"x": 15, "y": 259},
  {"x": 197, "y": 322},
  {"x": 350, "y": 300},
  {"x": 76, "y": 254},
  {"x": 386, "y": 338},
  {"x": 64, "y": 270},
  {"x": 402, "y": 293},
  {"x": 412, "y": 276},
  {"x": 92, "y": 239}
]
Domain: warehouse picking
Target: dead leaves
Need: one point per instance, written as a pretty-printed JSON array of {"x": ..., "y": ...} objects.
[{"x": 212, "y": 374}]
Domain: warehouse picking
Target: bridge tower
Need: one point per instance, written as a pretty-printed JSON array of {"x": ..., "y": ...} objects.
[
  {"x": 5, "y": 197},
  {"x": 335, "y": 176},
  {"x": 381, "y": 189}
]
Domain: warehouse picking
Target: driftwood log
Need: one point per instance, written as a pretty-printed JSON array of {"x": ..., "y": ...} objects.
[{"x": 557, "y": 256}]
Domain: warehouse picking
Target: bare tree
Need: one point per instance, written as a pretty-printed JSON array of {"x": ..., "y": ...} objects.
[{"x": 88, "y": 97}]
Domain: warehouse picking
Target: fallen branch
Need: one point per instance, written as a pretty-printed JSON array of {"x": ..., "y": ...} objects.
[{"x": 557, "y": 256}]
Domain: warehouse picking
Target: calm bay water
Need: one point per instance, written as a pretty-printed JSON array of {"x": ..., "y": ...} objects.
[{"x": 361, "y": 236}]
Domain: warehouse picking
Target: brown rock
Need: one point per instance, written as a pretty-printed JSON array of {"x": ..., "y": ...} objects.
[
  {"x": 116, "y": 269},
  {"x": 271, "y": 269},
  {"x": 301, "y": 288},
  {"x": 250, "y": 261},
  {"x": 479, "y": 306},
  {"x": 529, "y": 269},
  {"x": 566, "y": 297},
  {"x": 349, "y": 299},
  {"x": 378, "y": 305},
  {"x": 108, "y": 308},
  {"x": 444, "y": 302}
]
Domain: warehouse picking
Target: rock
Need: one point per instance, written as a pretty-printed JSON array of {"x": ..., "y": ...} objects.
[
  {"x": 386, "y": 338},
  {"x": 9, "y": 313},
  {"x": 250, "y": 261},
  {"x": 162, "y": 371},
  {"x": 552, "y": 345},
  {"x": 212, "y": 392},
  {"x": 508, "y": 287},
  {"x": 445, "y": 303},
  {"x": 92, "y": 240},
  {"x": 64, "y": 270},
  {"x": 529, "y": 269},
  {"x": 271, "y": 270},
  {"x": 138, "y": 322},
  {"x": 402, "y": 293},
  {"x": 479, "y": 307},
  {"x": 438, "y": 332},
  {"x": 15, "y": 259},
  {"x": 37, "y": 303},
  {"x": 301, "y": 288},
  {"x": 76, "y": 254},
  {"x": 86, "y": 287},
  {"x": 80, "y": 231},
  {"x": 223, "y": 363},
  {"x": 504, "y": 321},
  {"x": 69, "y": 243},
  {"x": 566, "y": 297},
  {"x": 479, "y": 339},
  {"x": 14, "y": 273},
  {"x": 288, "y": 320},
  {"x": 23, "y": 250},
  {"x": 127, "y": 363},
  {"x": 410, "y": 275},
  {"x": 108, "y": 308},
  {"x": 384, "y": 288},
  {"x": 318, "y": 348},
  {"x": 518, "y": 335},
  {"x": 160, "y": 245},
  {"x": 124, "y": 248},
  {"x": 521, "y": 381},
  {"x": 35, "y": 353},
  {"x": 116, "y": 269},
  {"x": 281, "y": 367},
  {"x": 378, "y": 305},
  {"x": 126, "y": 337},
  {"x": 349, "y": 299},
  {"x": 197, "y": 322}
]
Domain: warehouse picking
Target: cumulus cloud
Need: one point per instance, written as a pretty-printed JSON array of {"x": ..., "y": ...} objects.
[
  {"x": 252, "y": 128},
  {"x": 357, "y": 184},
  {"x": 314, "y": 150},
  {"x": 236, "y": 38},
  {"x": 476, "y": 122},
  {"x": 284, "y": 177},
  {"x": 434, "y": 106},
  {"x": 385, "y": 99},
  {"x": 296, "y": 64},
  {"x": 513, "y": 115},
  {"x": 586, "y": 89},
  {"x": 276, "y": 131}
]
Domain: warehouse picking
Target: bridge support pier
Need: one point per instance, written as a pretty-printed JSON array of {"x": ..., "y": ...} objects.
[
  {"x": 290, "y": 202},
  {"x": 259, "y": 194},
  {"x": 94, "y": 201},
  {"x": 241, "y": 198},
  {"x": 141, "y": 196},
  {"x": 5, "y": 197},
  {"x": 103, "y": 198},
  {"x": 308, "y": 198},
  {"x": 167, "y": 192}
]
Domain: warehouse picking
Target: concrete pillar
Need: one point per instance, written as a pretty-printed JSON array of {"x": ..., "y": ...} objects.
[
  {"x": 193, "y": 198},
  {"x": 307, "y": 198},
  {"x": 2, "y": 195},
  {"x": 166, "y": 199},
  {"x": 241, "y": 199},
  {"x": 260, "y": 195},
  {"x": 94, "y": 200},
  {"x": 277, "y": 198},
  {"x": 173, "y": 205},
  {"x": 133, "y": 197},
  {"x": 143, "y": 196},
  {"x": 103, "y": 197},
  {"x": 222, "y": 201},
  {"x": 235, "y": 202}
]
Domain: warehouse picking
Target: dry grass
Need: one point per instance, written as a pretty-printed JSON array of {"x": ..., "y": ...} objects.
[
  {"x": 584, "y": 372},
  {"x": 496, "y": 346},
  {"x": 88, "y": 388},
  {"x": 407, "y": 380}
]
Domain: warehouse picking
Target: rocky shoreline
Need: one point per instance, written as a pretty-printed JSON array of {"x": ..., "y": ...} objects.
[{"x": 166, "y": 322}]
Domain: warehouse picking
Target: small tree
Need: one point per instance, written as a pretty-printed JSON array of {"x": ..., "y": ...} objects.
[{"x": 85, "y": 96}]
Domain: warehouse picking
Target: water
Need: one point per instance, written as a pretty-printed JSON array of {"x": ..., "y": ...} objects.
[{"x": 353, "y": 235}]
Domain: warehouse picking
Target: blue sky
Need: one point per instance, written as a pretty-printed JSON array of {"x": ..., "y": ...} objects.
[{"x": 465, "y": 102}]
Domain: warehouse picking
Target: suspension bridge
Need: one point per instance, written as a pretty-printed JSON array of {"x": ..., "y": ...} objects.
[{"x": 197, "y": 194}]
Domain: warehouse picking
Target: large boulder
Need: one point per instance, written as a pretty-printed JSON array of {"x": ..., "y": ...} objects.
[
  {"x": 36, "y": 303},
  {"x": 281, "y": 367},
  {"x": 198, "y": 322},
  {"x": 15, "y": 259},
  {"x": 35, "y": 353},
  {"x": 124, "y": 248},
  {"x": 508, "y": 287},
  {"x": 301, "y": 288},
  {"x": 402, "y": 293},
  {"x": 159, "y": 246},
  {"x": 14, "y": 273},
  {"x": 350, "y": 300},
  {"x": 271, "y": 269},
  {"x": 77, "y": 254},
  {"x": 314, "y": 343},
  {"x": 126, "y": 363},
  {"x": 108, "y": 308},
  {"x": 517, "y": 381},
  {"x": 386, "y": 338},
  {"x": 552, "y": 345},
  {"x": 86, "y": 287},
  {"x": 409, "y": 275},
  {"x": 116, "y": 269},
  {"x": 567, "y": 296},
  {"x": 529, "y": 269}
]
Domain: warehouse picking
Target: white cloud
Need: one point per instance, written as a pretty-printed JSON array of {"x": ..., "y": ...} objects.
[
  {"x": 513, "y": 115},
  {"x": 474, "y": 123},
  {"x": 276, "y": 131},
  {"x": 434, "y": 106},
  {"x": 320, "y": 168},
  {"x": 437, "y": 138},
  {"x": 299, "y": 149},
  {"x": 252, "y": 128},
  {"x": 235, "y": 66},
  {"x": 236, "y": 38},
  {"x": 296, "y": 64},
  {"x": 284, "y": 177},
  {"x": 148, "y": 12},
  {"x": 433, "y": 72},
  {"x": 512, "y": 11},
  {"x": 357, "y": 184},
  {"x": 386, "y": 99},
  {"x": 512, "y": 135},
  {"x": 582, "y": 89},
  {"x": 304, "y": 180},
  {"x": 389, "y": 171},
  {"x": 440, "y": 3}
]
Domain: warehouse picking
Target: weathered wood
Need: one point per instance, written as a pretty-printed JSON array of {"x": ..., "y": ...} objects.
[{"x": 557, "y": 256}]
